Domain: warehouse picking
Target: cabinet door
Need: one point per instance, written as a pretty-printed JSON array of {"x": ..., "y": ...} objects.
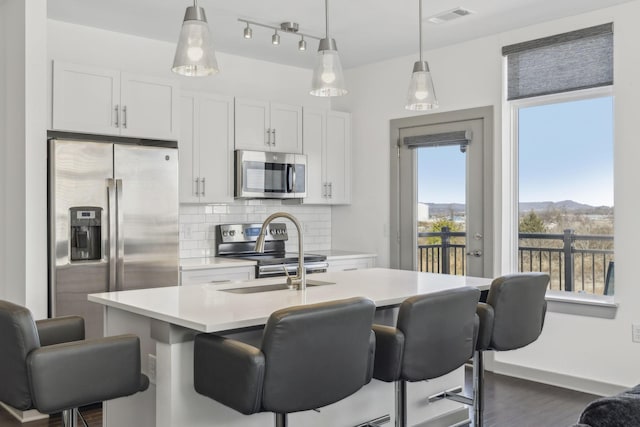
[
  {"x": 314, "y": 135},
  {"x": 286, "y": 128},
  {"x": 149, "y": 107},
  {"x": 215, "y": 140},
  {"x": 188, "y": 151},
  {"x": 85, "y": 99},
  {"x": 338, "y": 157},
  {"x": 252, "y": 125}
]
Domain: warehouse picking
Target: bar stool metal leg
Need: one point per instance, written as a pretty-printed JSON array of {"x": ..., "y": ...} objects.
[
  {"x": 478, "y": 388},
  {"x": 281, "y": 420},
  {"x": 401, "y": 403},
  {"x": 69, "y": 418}
]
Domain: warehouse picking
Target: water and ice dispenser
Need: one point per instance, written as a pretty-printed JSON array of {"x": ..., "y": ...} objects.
[{"x": 85, "y": 233}]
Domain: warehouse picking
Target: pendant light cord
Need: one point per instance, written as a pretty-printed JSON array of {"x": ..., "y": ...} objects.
[
  {"x": 326, "y": 18},
  {"x": 420, "y": 26}
]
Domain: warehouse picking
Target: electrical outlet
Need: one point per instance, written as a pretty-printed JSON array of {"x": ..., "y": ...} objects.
[
  {"x": 151, "y": 368},
  {"x": 635, "y": 332}
]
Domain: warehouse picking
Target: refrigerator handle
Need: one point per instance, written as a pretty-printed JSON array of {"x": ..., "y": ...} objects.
[
  {"x": 111, "y": 209},
  {"x": 119, "y": 238}
]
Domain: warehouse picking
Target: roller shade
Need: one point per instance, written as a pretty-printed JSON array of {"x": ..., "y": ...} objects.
[
  {"x": 461, "y": 138},
  {"x": 576, "y": 60}
]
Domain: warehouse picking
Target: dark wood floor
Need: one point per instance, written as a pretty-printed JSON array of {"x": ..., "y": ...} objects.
[{"x": 509, "y": 402}]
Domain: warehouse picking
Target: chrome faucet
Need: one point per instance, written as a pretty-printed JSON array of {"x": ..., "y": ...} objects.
[{"x": 299, "y": 281}]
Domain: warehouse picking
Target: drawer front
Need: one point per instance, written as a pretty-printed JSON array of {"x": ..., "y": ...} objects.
[{"x": 216, "y": 275}]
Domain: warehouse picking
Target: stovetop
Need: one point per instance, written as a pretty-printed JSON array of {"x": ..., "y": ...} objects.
[{"x": 277, "y": 258}]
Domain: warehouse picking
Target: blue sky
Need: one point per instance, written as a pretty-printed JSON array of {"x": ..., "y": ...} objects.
[{"x": 565, "y": 153}]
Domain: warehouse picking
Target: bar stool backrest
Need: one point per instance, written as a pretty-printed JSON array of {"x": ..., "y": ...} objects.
[
  {"x": 316, "y": 354},
  {"x": 519, "y": 306},
  {"x": 18, "y": 337},
  {"x": 440, "y": 332}
]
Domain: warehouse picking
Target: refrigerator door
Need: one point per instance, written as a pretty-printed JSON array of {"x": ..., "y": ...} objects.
[
  {"x": 78, "y": 213},
  {"x": 147, "y": 210}
]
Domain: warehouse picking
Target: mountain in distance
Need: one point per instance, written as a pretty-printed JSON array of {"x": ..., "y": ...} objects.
[{"x": 446, "y": 209}]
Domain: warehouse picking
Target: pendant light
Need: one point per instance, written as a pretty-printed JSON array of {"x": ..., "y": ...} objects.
[
  {"x": 328, "y": 79},
  {"x": 195, "y": 55},
  {"x": 422, "y": 95}
]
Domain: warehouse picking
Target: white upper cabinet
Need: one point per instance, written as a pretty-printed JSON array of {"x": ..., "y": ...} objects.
[
  {"x": 109, "y": 102},
  {"x": 327, "y": 144},
  {"x": 268, "y": 126},
  {"x": 206, "y": 148}
]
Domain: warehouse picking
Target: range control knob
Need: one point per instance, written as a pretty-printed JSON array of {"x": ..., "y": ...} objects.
[
  {"x": 273, "y": 231},
  {"x": 225, "y": 233},
  {"x": 232, "y": 233}
]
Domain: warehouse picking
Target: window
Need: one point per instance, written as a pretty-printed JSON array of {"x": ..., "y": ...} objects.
[
  {"x": 565, "y": 189},
  {"x": 560, "y": 93}
]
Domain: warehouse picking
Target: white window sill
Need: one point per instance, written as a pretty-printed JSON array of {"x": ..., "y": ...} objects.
[{"x": 581, "y": 304}]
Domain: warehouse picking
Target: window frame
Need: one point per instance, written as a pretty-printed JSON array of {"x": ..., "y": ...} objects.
[{"x": 558, "y": 301}]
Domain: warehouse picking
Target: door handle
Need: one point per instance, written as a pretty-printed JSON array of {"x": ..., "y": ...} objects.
[
  {"x": 120, "y": 237},
  {"x": 273, "y": 132},
  {"x": 477, "y": 253},
  {"x": 111, "y": 209}
]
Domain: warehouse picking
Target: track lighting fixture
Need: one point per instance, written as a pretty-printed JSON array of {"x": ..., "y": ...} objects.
[{"x": 284, "y": 28}]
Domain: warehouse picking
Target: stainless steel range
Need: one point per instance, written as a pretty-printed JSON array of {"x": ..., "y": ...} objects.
[{"x": 239, "y": 240}]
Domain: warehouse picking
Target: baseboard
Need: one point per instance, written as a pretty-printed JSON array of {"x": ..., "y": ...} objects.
[
  {"x": 584, "y": 385},
  {"x": 24, "y": 416}
]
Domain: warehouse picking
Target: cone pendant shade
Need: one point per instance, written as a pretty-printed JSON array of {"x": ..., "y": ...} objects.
[
  {"x": 195, "y": 55},
  {"x": 421, "y": 95}
]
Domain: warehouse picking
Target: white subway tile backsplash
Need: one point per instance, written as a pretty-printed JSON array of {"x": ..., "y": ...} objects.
[{"x": 197, "y": 224}]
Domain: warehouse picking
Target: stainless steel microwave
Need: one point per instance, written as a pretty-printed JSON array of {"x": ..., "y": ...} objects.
[{"x": 269, "y": 175}]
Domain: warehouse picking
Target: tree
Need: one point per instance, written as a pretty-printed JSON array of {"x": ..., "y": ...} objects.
[
  {"x": 532, "y": 223},
  {"x": 438, "y": 224}
]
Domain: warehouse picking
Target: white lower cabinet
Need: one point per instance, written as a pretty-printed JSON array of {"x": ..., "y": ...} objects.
[
  {"x": 206, "y": 148},
  {"x": 217, "y": 276},
  {"x": 327, "y": 144}
]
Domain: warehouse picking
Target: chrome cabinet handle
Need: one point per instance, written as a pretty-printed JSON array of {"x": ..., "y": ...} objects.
[
  {"x": 117, "y": 121},
  {"x": 124, "y": 116},
  {"x": 273, "y": 132},
  {"x": 203, "y": 186},
  {"x": 331, "y": 190},
  {"x": 197, "y": 180},
  {"x": 268, "y": 139}
]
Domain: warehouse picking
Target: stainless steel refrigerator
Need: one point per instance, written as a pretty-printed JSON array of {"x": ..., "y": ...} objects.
[{"x": 113, "y": 222}]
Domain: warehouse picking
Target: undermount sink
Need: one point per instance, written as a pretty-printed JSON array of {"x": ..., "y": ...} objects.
[{"x": 273, "y": 287}]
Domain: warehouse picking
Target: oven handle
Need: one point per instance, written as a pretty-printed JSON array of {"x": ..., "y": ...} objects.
[{"x": 278, "y": 270}]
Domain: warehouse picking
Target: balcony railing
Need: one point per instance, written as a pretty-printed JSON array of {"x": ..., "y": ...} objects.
[{"x": 579, "y": 263}]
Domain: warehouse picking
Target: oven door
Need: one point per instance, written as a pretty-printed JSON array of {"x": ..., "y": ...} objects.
[
  {"x": 291, "y": 269},
  {"x": 270, "y": 175}
]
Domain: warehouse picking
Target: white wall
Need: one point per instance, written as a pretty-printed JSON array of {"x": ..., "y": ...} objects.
[
  {"x": 24, "y": 162},
  {"x": 590, "y": 353},
  {"x": 3, "y": 143}
]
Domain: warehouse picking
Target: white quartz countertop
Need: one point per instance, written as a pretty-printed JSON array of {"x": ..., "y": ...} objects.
[
  {"x": 340, "y": 254},
  {"x": 213, "y": 262},
  {"x": 187, "y": 264},
  {"x": 206, "y": 308}
]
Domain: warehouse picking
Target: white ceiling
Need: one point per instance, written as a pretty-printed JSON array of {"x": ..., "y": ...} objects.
[{"x": 366, "y": 31}]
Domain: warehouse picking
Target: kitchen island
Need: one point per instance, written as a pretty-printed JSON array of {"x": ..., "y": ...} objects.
[{"x": 167, "y": 319}]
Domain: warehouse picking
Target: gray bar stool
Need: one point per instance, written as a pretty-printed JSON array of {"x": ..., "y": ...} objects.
[
  {"x": 47, "y": 365},
  {"x": 512, "y": 318},
  {"x": 310, "y": 356},
  {"x": 435, "y": 334}
]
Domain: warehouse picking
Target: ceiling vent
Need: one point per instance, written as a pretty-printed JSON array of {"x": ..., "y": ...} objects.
[{"x": 449, "y": 15}]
